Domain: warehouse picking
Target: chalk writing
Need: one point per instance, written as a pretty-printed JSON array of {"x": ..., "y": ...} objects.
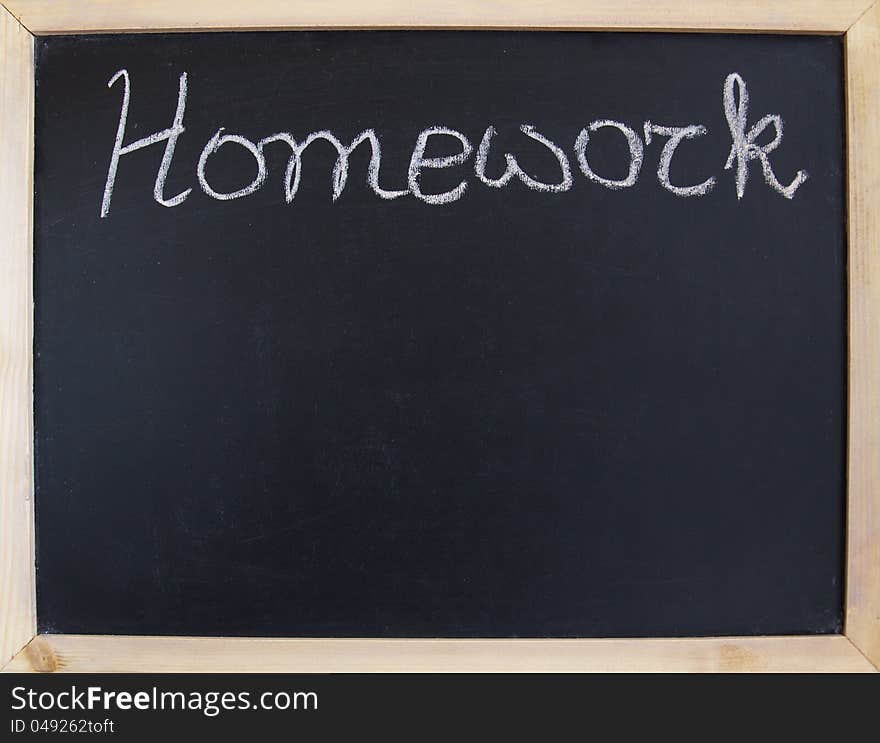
[
  {"x": 744, "y": 148},
  {"x": 735, "y": 101}
]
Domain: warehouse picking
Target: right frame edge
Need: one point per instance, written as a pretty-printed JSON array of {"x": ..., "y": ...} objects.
[{"x": 862, "y": 51}]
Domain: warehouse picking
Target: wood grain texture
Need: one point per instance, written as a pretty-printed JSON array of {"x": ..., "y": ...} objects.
[
  {"x": 92, "y": 654},
  {"x": 863, "y": 559},
  {"x": 66, "y": 16},
  {"x": 17, "y": 609},
  {"x": 96, "y": 653}
]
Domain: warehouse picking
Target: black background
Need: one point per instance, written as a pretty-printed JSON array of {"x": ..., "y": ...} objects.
[
  {"x": 522, "y": 414},
  {"x": 397, "y": 706}
]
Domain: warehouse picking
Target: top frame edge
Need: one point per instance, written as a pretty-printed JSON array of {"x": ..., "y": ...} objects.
[{"x": 52, "y": 17}]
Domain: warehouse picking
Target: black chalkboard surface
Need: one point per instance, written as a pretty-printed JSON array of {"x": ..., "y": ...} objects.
[{"x": 415, "y": 387}]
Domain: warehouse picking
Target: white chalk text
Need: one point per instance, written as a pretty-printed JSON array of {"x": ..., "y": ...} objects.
[{"x": 669, "y": 139}]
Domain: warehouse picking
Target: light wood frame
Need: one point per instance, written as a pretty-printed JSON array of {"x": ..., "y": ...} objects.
[{"x": 21, "y": 649}]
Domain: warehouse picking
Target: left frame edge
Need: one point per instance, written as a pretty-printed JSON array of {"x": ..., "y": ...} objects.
[{"x": 17, "y": 545}]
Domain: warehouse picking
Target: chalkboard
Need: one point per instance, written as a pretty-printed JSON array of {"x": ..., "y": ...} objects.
[{"x": 462, "y": 334}]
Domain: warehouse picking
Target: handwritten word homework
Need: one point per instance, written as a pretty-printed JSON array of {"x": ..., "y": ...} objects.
[{"x": 744, "y": 149}]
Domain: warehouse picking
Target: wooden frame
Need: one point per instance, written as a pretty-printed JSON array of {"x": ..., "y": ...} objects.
[{"x": 857, "y": 649}]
